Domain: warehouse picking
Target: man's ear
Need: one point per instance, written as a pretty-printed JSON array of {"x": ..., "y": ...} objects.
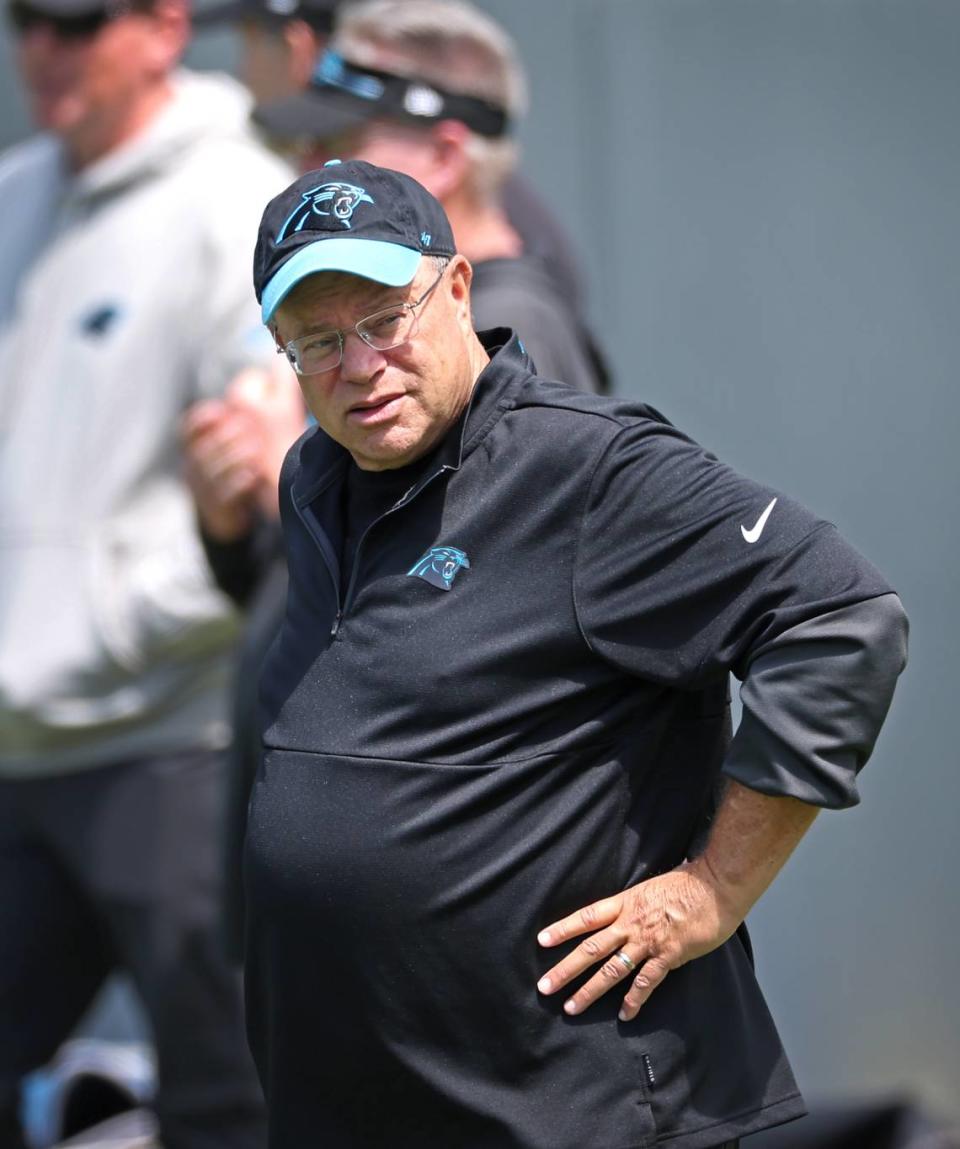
[
  {"x": 304, "y": 46},
  {"x": 460, "y": 275},
  {"x": 170, "y": 34},
  {"x": 449, "y": 142}
]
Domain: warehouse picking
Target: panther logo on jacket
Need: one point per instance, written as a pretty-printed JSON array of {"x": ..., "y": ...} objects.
[
  {"x": 333, "y": 199},
  {"x": 440, "y": 566}
]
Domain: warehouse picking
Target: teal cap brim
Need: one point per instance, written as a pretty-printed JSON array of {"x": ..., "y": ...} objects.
[{"x": 386, "y": 263}]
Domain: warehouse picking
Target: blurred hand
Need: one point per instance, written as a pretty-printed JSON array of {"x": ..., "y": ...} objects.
[
  {"x": 275, "y": 399},
  {"x": 234, "y": 448}
]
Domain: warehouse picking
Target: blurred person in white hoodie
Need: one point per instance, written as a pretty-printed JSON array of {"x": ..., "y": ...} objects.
[{"x": 125, "y": 231}]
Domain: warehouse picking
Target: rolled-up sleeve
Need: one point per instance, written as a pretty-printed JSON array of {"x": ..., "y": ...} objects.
[{"x": 814, "y": 699}]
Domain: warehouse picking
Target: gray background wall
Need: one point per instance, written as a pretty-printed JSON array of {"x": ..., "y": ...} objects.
[{"x": 765, "y": 194}]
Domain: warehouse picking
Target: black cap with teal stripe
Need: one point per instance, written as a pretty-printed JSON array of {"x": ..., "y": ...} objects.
[{"x": 351, "y": 217}]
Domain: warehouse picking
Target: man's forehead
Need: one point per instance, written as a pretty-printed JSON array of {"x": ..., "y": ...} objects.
[
  {"x": 383, "y": 128},
  {"x": 333, "y": 292},
  {"x": 330, "y": 284}
]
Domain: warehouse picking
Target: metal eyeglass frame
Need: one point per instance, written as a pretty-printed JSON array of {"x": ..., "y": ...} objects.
[{"x": 292, "y": 349}]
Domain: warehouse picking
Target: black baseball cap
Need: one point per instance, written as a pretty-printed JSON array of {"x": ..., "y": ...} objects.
[
  {"x": 68, "y": 8},
  {"x": 71, "y": 18},
  {"x": 342, "y": 95},
  {"x": 319, "y": 14},
  {"x": 347, "y": 216}
]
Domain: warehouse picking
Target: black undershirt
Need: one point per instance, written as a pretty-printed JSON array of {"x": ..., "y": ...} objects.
[{"x": 366, "y": 496}]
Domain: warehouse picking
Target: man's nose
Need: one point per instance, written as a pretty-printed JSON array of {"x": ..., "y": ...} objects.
[{"x": 360, "y": 362}]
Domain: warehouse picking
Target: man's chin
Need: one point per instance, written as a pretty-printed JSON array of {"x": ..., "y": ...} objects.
[
  {"x": 386, "y": 455},
  {"x": 55, "y": 115},
  {"x": 367, "y": 462}
]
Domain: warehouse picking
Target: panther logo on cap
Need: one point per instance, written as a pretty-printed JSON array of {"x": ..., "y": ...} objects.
[{"x": 336, "y": 199}]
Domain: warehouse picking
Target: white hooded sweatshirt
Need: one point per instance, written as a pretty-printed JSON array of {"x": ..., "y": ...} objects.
[{"x": 125, "y": 295}]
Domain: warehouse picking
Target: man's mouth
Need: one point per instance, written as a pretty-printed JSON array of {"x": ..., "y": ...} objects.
[{"x": 373, "y": 410}]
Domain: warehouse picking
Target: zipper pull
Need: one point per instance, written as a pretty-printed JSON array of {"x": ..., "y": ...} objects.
[{"x": 336, "y": 624}]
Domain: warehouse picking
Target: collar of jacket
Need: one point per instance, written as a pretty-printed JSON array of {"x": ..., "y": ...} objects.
[{"x": 323, "y": 461}]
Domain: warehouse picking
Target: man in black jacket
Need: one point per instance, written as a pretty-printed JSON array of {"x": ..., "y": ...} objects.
[{"x": 501, "y": 845}]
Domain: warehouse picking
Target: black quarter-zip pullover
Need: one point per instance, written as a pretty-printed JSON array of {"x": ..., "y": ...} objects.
[{"x": 518, "y": 705}]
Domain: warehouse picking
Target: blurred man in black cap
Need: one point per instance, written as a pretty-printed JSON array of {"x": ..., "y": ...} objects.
[{"x": 280, "y": 40}]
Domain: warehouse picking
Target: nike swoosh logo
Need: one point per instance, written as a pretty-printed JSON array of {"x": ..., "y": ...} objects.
[{"x": 756, "y": 530}]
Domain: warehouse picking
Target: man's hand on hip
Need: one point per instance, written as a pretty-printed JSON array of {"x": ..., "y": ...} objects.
[
  {"x": 641, "y": 934},
  {"x": 646, "y": 931}
]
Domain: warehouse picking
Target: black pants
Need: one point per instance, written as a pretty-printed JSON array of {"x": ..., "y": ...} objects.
[{"x": 120, "y": 867}]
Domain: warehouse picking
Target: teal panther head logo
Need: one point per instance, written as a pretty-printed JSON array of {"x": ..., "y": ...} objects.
[
  {"x": 335, "y": 199},
  {"x": 440, "y": 566}
]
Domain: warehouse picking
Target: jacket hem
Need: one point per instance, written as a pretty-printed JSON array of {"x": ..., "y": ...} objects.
[{"x": 731, "y": 1128}]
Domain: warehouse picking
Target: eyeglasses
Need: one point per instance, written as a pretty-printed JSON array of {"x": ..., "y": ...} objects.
[
  {"x": 323, "y": 350},
  {"x": 23, "y": 17}
]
